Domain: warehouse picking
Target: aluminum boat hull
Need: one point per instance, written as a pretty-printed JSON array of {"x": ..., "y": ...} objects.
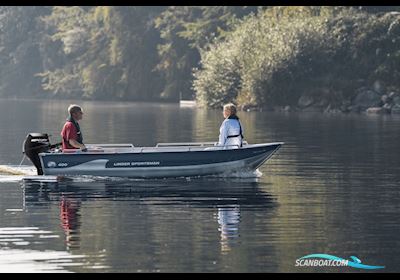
[{"x": 158, "y": 162}]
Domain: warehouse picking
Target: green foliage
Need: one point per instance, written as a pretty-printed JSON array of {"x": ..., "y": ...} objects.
[
  {"x": 186, "y": 30},
  {"x": 259, "y": 56},
  {"x": 106, "y": 53},
  {"x": 19, "y": 52},
  {"x": 276, "y": 56}
]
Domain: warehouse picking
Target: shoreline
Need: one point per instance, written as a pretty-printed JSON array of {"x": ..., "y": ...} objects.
[{"x": 353, "y": 109}]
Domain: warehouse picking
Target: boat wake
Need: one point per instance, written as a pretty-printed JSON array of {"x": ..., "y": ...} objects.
[
  {"x": 13, "y": 173},
  {"x": 241, "y": 174}
]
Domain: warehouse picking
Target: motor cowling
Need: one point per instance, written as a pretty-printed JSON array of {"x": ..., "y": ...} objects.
[{"x": 34, "y": 144}]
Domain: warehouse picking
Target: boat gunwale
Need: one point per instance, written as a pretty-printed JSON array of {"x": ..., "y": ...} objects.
[{"x": 172, "y": 149}]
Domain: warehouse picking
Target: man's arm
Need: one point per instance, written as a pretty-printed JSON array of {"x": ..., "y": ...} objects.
[{"x": 76, "y": 144}]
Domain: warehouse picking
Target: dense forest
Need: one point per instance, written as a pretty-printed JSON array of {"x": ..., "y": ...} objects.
[{"x": 275, "y": 57}]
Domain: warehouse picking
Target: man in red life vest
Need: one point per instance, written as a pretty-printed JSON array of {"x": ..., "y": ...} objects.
[{"x": 71, "y": 133}]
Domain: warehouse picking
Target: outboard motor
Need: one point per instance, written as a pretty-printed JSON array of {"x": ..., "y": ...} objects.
[{"x": 34, "y": 144}]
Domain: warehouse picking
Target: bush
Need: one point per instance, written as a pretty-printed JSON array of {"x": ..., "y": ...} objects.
[{"x": 277, "y": 56}]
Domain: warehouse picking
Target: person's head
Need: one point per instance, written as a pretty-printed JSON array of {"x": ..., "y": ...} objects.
[
  {"x": 75, "y": 111},
  {"x": 229, "y": 110}
]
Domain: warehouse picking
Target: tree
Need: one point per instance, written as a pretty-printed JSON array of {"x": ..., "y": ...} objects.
[
  {"x": 279, "y": 55},
  {"x": 185, "y": 31},
  {"x": 101, "y": 52},
  {"x": 20, "y": 37}
]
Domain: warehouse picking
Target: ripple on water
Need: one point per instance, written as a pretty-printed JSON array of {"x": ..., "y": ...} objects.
[{"x": 15, "y": 259}]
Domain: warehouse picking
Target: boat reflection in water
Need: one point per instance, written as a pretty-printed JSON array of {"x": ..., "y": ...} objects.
[
  {"x": 37, "y": 194},
  {"x": 226, "y": 198}
]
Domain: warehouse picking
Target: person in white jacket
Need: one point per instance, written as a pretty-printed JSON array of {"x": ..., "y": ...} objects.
[{"x": 230, "y": 132}]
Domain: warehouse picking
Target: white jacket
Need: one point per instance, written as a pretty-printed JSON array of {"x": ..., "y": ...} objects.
[{"x": 230, "y": 127}]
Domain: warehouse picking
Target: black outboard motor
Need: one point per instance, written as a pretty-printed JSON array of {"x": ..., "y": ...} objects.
[{"x": 34, "y": 144}]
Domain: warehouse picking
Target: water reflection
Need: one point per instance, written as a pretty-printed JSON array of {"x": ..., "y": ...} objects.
[
  {"x": 336, "y": 180},
  {"x": 226, "y": 199},
  {"x": 70, "y": 221},
  {"x": 199, "y": 192},
  {"x": 228, "y": 220},
  {"x": 42, "y": 193}
]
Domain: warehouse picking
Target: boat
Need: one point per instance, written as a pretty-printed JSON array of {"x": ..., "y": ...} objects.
[
  {"x": 162, "y": 161},
  {"x": 187, "y": 103}
]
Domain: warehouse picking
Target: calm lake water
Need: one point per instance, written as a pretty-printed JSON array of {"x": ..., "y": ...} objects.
[{"x": 333, "y": 188}]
